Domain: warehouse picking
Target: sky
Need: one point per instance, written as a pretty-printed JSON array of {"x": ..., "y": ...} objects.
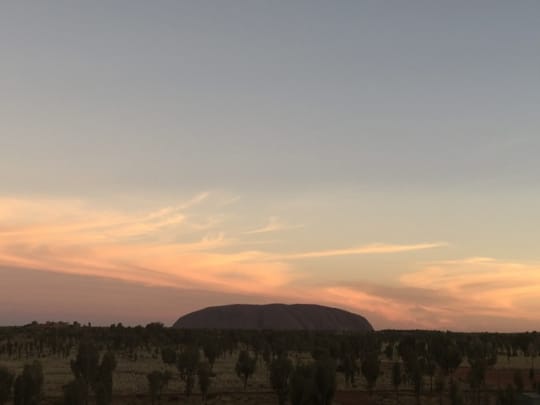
[{"x": 160, "y": 157}]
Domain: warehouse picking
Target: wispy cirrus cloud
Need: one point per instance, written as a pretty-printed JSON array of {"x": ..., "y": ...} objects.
[
  {"x": 159, "y": 247},
  {"x": 370, "y": 249},
  {"x": 171, "y": 246},
  {"x": 32, "y": 218},
  {"x": 274, "y": 224}
]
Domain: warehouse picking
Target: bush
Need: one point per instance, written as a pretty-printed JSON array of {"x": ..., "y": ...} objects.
[
  {"x": 28, "y": 385},
  {"x": 6, "y": 382}
]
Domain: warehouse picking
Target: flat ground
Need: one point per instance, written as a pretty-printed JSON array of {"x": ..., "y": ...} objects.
[{"x": 130, "y": 383}]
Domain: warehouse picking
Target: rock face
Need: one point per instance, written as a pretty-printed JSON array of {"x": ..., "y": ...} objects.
[{"x": 274, "y": 317}]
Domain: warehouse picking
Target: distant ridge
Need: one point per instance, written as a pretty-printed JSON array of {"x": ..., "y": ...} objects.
[{"x": 274, "y": 317}]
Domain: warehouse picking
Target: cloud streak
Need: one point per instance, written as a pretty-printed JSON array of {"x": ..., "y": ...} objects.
[
  {"x": 371, "y": 249},
  {"x": 273, "y": 225}
]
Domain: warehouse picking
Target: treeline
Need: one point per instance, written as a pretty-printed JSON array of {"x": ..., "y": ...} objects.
[{"x": 301, "y": 365}]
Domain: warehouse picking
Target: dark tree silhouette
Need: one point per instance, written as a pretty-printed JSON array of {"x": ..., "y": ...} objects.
[
  {"x": 481, "y": 355},
  {"x": 446, "y": 353},
  {"x": 281, "y": 369},
  {"x": 187, "y": 363},
  {"x": 348, "y": 367},
  {"x": 28, "y": 385},
  {"x": 157, "y": 381},
  {"x": 439, "y": 386},
  {"x": 303, "y": 389},
  {"x": 506, "y": 396},
  {"x": 168, "y": 355},
  {"x": 518, "y": 381},
  {"x": 211, "y": 351},
  {"x": 389, "y": 351},
  {"x": 396, "y": 378},
  {"x": 456, "y": 397},
  {"x": 75, "y": 392},
  {"x": 6, "y": 382},
  {"x": 325, "y": 379},
  {"x": 417, "y": 375},
  {"x": 204, "y": 374},
  {"x": 90, "y": 373},
  {"x": 85, "y": 366},
  {"x": 315, "y": 383},
  {"x": 532, "y": 352},
  {"x": 103, "y": 384},
  {"x": 370, "y": 369},
  {"x": 245, "y": 366}
]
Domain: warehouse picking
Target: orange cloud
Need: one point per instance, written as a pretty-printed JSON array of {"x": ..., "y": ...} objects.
[
  {"x": 484, "y": 285},
  {"x": 185, "y": 246},
  {"x": 471, "y": 294},
  {"x": 70, "y": 237}
]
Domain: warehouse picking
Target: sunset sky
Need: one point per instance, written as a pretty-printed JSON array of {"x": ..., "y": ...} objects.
[{"x": 161, "y": 157}]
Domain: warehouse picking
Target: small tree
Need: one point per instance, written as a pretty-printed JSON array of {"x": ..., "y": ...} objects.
[
  {"x": 168, "y": 355},
  {"x": 446, "y": 354},
  {"x": 349, "y": 368},
  {"x": 440, "y": 383},
  {"x": 430, "y": 367},
  {"x": 204, "y": 374},
  {"x": 417, "y": 376},
  {"x": 303, "y": 388},
  {"x": 75, "y": 392},
  {"x": 325, "y": 379},
  {"x": 28, "y": 385},
  {"x": 211, "y": 351},
  {"x": 315, "y": 383},
  {"x": 18, "y": 391},
  {"x": 389, "y": 351},
  {"x": 245, "y": 366},
  {"x": 187, "y": 363},
  {"x": 456, "y": 397},
  {"x": 157, "y": 381},
  {"x": 6, "y": 382},
  {"x": 90, "y": 372},
  {"x": 532, "y": 352},
  {"x": 280, "y": 374},
  {"x": 103, "y": 384},
  {"x": 518, "y": 381},
  {"x": 267, "y": 356},
  {"x": 396, "y": 378},
  {"x": 85, "y": 366},
  {"x": 370, "y": 369},
  {"x": 506, "y": 396}
]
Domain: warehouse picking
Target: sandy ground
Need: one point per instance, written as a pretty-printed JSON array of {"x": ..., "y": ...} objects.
[{"x": 130, "y": 383}]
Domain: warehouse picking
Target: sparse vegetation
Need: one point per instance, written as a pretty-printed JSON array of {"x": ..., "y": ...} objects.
[{"x": 80, "y": 365}]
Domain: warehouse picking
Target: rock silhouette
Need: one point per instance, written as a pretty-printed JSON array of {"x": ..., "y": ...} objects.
[{"x": 274, "y": 317}]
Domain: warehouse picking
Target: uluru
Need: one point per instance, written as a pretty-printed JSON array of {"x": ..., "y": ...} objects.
[{"x": 274, "y": 317}]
